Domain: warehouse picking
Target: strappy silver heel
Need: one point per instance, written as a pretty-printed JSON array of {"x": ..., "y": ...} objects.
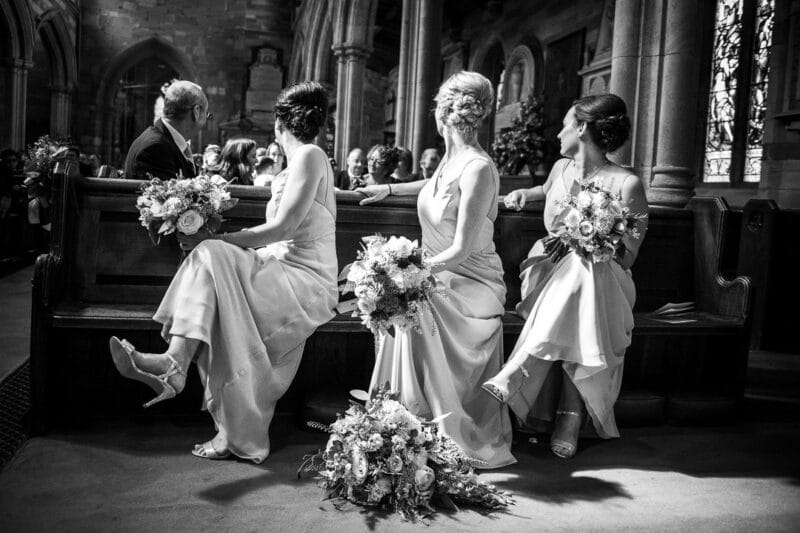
[{"x": 122, "y": 354}]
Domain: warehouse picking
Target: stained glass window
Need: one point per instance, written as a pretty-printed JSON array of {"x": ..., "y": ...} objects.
[{"x": 737, "y": 99}]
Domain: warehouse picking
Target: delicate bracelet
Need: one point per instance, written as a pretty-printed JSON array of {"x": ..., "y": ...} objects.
[{"x": 390, "y": 189}]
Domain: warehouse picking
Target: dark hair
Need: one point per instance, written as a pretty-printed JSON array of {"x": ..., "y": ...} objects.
[
  {"x": 387, "y": 156},
  {"x": 233, "y": 160},
  {"x": 264, "y": 164},
  {"x": 406, "y": 157},
  {"x": 606, "y": 119},
  {"x": 303, "y": 108}
]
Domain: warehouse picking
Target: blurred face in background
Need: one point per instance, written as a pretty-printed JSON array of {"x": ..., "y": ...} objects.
[
  {"x": 430, "y": 160},
  {"x": 261, "y": 154},
  {"x": 355, "y": 163},
  {"x": 274, "y": 153}
]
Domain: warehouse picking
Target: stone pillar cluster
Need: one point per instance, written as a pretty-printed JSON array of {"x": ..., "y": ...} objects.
[
  {"x": 18, "y": 89},
  {"x": 655, "y": 69},
  {"x": 418, "y": 74}
]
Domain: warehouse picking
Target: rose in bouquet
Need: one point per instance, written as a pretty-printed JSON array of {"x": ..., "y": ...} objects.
[
  {"x": 186, "y": 205},
  {"x": 392, "y": 282},
  {"x": 595, "y": 222},
  {"x": 380, "y": 454}
]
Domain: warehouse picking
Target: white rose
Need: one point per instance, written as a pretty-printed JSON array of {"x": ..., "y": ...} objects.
[
  {"x": 587, "y": 229},
  {"x": 584, "y": 200},
  {"x": 572, "y": 218},
  {"x": 190, "y": 222},
  {"x": 600, "y": 201},
  {"x": 615, "y": 208},
  {"x": 401, "y": 246},
  {"x": 172, "y": 206},
  {"x": 157, "y": 209}
]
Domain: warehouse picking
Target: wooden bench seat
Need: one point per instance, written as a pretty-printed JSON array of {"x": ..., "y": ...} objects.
[
  {"x": 104, "y": 277},
  {"x": 139, "y": 317}
]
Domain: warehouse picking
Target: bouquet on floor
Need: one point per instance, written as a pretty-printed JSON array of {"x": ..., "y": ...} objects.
[
  {"x": 186, "y": 205},
  {"x": 594, "y": 225},
  {"x": 380, "y": 454},
  {"x": 392, "y": 282}
]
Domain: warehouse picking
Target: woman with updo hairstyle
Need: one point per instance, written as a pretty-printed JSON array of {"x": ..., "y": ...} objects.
[
  {"x": 237, "y": 160},
  {"x": 381, "y": 161},
  {"x": 438, "y": 370},
  {"x": 243, "y": 303},
  {"x": 566, "y": 367}
]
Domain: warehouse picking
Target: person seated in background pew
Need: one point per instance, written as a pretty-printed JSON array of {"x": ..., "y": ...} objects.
[
  {"x": 428, "y": 162},
  {"x": 353, "y": 174},
  {"x": 381, "y": 160},
  {"x": 402, "y": 173}
]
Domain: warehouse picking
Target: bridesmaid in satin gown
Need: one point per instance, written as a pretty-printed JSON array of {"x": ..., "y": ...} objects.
[
  {"x": 578, "y": 314},
  {"x": 440, "y": 370},
  {"x": 243, "y": 304}
]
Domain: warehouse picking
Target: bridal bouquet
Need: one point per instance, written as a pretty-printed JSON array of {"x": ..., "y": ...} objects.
[
  {"x": 595, "y": 222},
  {"x": 185, "y": 205},
  {"x": 380, "y": 454},
  {"x": 392, "y": 281}
]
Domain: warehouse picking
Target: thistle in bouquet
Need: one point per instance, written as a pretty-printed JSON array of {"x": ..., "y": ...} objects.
[
  {"x": 380, "y": 454},
  {"x": 392, "y": 281},
  {"x": 595, "y": 224},
  {"x": 186, "y": 205}
]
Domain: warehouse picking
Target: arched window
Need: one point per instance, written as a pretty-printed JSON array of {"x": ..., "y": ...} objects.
[
  {"x": 139, "y": 88},
  {"x": 737, "y": 101}
]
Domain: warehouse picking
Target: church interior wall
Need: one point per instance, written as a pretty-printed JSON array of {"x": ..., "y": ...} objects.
[{"x": 221, "y": 52}]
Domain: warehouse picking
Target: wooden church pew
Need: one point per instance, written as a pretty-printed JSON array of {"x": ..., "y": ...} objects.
[{"x": 103, "y": 276}]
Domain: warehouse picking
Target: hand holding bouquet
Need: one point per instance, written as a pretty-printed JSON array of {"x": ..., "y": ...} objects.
[
  {"x": 594, "y": 225},
  {"x": 392, "y": 281},
  {"x": 185, "y": 205},
  {"x": 380, "y": 454}
]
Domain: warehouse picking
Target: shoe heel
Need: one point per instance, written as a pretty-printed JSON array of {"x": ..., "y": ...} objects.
[{"x": 166, "y": 394}]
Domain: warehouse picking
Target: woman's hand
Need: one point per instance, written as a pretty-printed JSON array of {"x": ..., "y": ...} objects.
[
  {"x": 189, "y": 242},
  {"x": 515, "y": 199},
  {"x": 373, "y": 193}
]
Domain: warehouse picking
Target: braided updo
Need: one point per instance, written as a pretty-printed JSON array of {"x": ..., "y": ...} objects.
[
  {"x": 302, "y": 109},
  {"x": 464, "y": 100},
  {"x": 606, "y": 119}
]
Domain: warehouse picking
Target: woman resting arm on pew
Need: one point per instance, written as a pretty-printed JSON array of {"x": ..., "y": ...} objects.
[
  {"x": 243, "y": 304},
  {"x": 439, "y": 374},
  {"x": 578, "y": 313}
]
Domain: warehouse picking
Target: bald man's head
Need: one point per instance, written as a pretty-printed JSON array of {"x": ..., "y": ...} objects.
[
  {"x": 181, "y": 97},
  {"x": 356, "y": 160}
]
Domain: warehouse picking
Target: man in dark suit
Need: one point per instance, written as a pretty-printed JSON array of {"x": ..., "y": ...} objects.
[
  {"x": 353, "y": 174},
  {"x": 163, "y": 150}
]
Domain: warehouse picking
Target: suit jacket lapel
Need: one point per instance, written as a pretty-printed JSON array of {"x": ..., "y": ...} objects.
[{"x": 186, "y": 166}]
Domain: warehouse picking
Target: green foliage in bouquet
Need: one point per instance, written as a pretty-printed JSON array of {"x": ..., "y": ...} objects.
[
  {"x": 524, "y": 143},
  {"x": 380, "y": 454}
]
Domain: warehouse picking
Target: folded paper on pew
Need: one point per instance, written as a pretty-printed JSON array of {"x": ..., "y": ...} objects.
[{"x": 673, "y": 309}]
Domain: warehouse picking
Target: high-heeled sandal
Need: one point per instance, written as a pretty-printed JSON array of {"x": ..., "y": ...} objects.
[
  {"x": 561, "y": 447},
  {"x": 497, "y": 393},
  {"x": 122, "y": 354},
  {"x": 207, "y": 451}
]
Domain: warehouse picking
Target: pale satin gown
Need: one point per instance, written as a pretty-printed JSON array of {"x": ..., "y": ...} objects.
[
  {"x": 253, "y": 310},
  {"x": 440, "y": 370},
  {"x": 577, "y": 312}
]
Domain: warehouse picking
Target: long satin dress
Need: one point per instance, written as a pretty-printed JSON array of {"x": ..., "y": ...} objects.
[
  {"x": 440, "y": 370},
  {"x": 253, "y": 310},
  {"x": 577, "y": 312}
]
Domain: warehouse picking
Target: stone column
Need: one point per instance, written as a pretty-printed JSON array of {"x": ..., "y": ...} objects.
[
  {"x": 352, "y": 60},
  {"x": 60, "y": 111},
  {"x": 19, "y": 96},
  {"x": 655, "y": 69},
  {"x": 404, "y": 73},
  {"x": 676, "y": 150},
  {"x": 426, "y": 74}
]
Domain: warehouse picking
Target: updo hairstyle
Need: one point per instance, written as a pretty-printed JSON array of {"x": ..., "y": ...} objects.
[
  {"x": 302, "y": 109},
  {"x": 606, "y": 119},
  {"x": 387, "y": 156},
  {"x": 464, "y": 100}
]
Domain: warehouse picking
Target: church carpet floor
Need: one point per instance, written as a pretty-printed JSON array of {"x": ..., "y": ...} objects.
[{"x": 123, "y": 476}]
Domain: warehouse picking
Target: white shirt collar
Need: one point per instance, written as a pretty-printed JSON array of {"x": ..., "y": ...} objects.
[{"x": 177, "y": 137}]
